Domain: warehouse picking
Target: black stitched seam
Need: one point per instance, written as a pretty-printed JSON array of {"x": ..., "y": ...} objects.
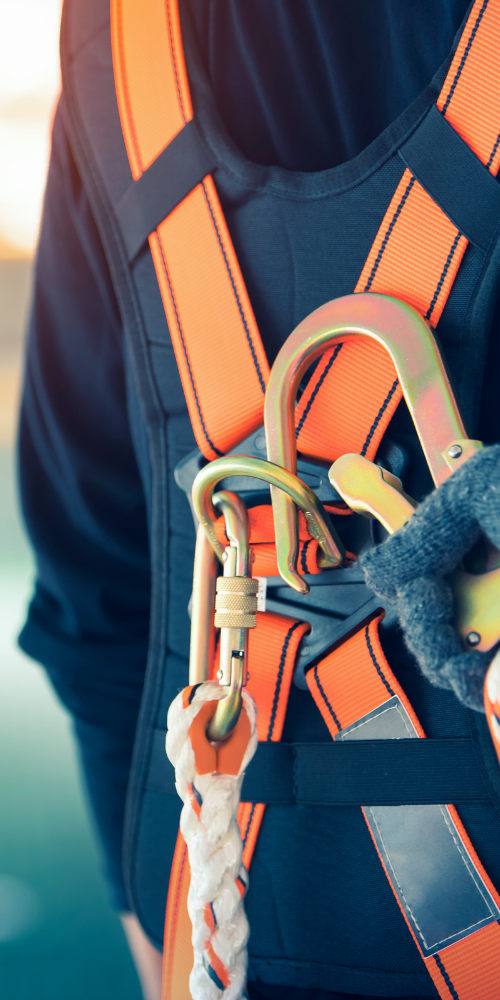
[
  {"x": 379, "y": 416},
  {"x": 374, "y": 660},
  {"x": 316, "y": 390},
  {"x": 126, "y": 94},
  {"x": 191, "y": 379},
  {"x": 303, "y": 555},
  {"x": 250, "y": 818},
  {"x": 493, "y": 151},
  {"x": 174, "y": 60},
  {"x": 325, "y": 699},
  {"x": 446, "y": 977},
  {"x": 279, "y": 678},
  {"x": 235, "y": 291},
  {"x": 465, "y": 55},
  {"x": 443, "y": 276},
  {"x": 388, "y": 233}
]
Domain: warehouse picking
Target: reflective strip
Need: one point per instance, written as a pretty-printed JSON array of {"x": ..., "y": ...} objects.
[{"x": 444, "y": 893}]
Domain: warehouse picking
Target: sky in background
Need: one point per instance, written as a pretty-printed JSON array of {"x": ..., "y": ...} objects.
[{"x": 29, "y": 83}]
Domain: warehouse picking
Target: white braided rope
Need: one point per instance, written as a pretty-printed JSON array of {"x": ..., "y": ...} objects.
[{"x": 209, "y": 827}]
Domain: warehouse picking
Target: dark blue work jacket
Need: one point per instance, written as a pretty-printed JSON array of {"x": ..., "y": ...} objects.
[{"x": 322, "y": 913}]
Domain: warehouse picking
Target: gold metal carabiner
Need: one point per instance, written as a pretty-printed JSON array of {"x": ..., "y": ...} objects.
[
  {"x": 281, "y": 480},
  {"x": 426, "y": 387},
  {"x": 235, "y": 600},
  {"x": 373, "y": 492}
]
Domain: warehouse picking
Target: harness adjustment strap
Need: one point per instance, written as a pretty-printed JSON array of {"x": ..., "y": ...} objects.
[
  {"x": 171, "y": 177},
  {"x": 454, "y": 177},
  {"x": 351, "y": 773}
]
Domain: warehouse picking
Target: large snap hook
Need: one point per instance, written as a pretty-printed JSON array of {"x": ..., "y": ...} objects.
[{"x": 401, "y": 331}]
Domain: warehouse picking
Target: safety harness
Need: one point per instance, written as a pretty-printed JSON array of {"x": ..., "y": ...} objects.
[{"x": 451, "y": 907}]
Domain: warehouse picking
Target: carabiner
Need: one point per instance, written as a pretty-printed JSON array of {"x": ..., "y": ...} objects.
[
  {"x": 409, "y": 340},
  {"x": 373, "y": 492},
  {"x": 282, "y": 480},
  {"x": 235, "y": 606}
]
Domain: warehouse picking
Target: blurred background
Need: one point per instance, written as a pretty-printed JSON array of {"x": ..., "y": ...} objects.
[{"x": 59, "y": 939}]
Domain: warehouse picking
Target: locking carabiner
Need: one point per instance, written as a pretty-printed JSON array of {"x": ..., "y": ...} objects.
[
  {"x": 235, "y": 607},
  {"x": 426, "y": 387}
]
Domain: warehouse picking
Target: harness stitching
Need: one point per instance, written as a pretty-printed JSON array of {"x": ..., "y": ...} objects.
[
  {"x": 379, "y": 416},
  {"x": 446, "y": 977},
  {"x": 184, "y": 348},
  {"x": 464, "y": 57},
  {"x": 235, "y": 291},
  {"x": 316, "y": 390},
  {"x": 388, "y": 233},
  {"x": 374, "y": 661},
  {"x": 325, "y": 699},
  {"x": 443, "y": 276}
]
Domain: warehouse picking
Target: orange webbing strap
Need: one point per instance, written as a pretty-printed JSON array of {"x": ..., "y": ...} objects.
[
  {"x": 354, "y": 688},
  {"x": 415, "y": 256},
  {"x": 263, "y": 545},
  {"x": 217, "y": 345},
  {"x": 273, "y": 647}
]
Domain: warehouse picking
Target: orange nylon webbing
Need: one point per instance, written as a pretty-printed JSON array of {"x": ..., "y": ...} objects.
[
  {"x": 210, "y": 318},
  {"x": 273, "y": 647},
  {"x": 352, "y": 681},
  {"x": 417, "y": 251}
]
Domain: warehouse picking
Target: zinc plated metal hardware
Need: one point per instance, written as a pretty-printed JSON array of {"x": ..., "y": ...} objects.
[
  {"x": 234, "y": 596},
  {"x": 300, "y": 495},
  {"x": 369, "y": 490},
  {"x": 401, "y": 331}
]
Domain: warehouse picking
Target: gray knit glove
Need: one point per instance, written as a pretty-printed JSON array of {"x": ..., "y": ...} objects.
[{"x": 410, "y": 567}]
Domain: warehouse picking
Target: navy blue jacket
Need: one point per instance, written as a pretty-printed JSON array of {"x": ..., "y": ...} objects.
[{"x": 288, "y": 91}]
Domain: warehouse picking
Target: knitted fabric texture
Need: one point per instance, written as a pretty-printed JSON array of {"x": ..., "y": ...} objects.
[{"x": 410, "y": 568}]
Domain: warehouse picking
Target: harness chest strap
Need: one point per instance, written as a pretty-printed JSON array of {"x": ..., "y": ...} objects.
[{"x": 415, "y": 255}]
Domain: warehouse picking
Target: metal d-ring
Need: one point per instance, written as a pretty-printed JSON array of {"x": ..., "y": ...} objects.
[{"x": 401, "y": 331}]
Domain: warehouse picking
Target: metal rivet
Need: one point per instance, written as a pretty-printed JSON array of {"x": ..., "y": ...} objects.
[
  {"x": 454, "y": 452},
  {"x": 473, "y": 639},
  {"x": 224, "y": 556},
  {"x": 219, "y": 675}
]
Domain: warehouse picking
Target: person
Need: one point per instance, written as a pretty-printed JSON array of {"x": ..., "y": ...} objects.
[{"x": 304, "y": 102}]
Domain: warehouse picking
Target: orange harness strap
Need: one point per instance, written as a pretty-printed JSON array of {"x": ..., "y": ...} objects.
[
  {"x": 272, "y": 652},
  {"x": 416, "y": 253},
  {"x": 415, "y": 256},
  {"x": 209, "y": 315},
  {"x": 359, "y": 697}
]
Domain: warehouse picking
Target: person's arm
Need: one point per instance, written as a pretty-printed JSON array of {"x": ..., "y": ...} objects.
[{"x": 83, "y": 502}]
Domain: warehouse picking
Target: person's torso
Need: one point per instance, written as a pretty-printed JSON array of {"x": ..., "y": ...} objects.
[{"x": 330, "y": 920}]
